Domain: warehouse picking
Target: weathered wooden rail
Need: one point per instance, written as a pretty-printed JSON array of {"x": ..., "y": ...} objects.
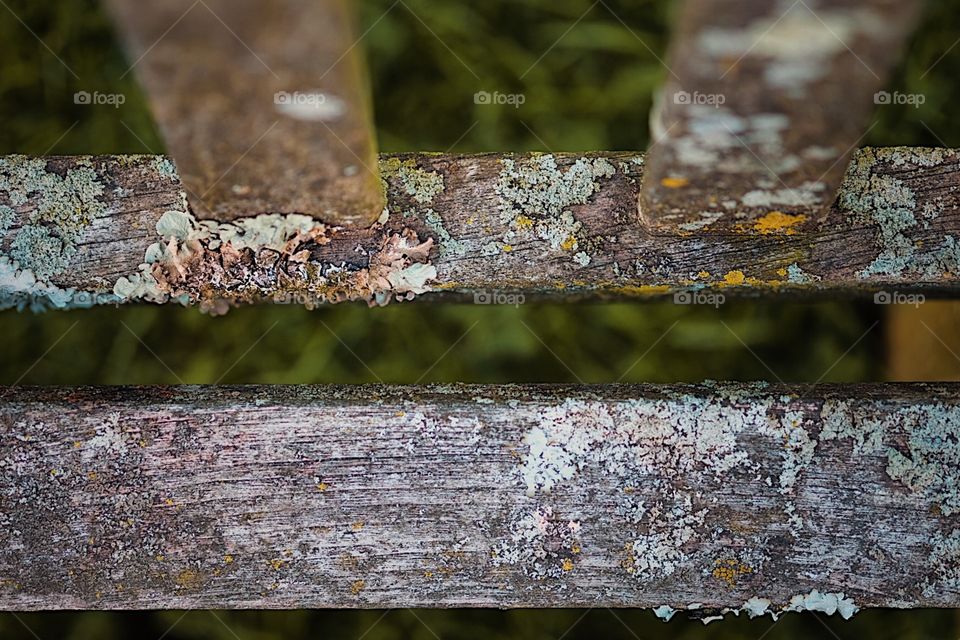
[
  {"x": 704, "y": 497},
  {"x": 84, "y": 230}
]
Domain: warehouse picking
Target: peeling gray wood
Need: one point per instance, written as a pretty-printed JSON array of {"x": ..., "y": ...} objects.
[
  {"x": 263, "y": 103},
  {"x": 719, "y": 496},
  {"x": 503, "y": 228},
  {"x": 764, "y": 105}
]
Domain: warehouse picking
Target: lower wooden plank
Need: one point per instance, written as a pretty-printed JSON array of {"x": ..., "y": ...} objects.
[
  {"x": 713, "y": 497},
  {"x": 76, "y": 231}
]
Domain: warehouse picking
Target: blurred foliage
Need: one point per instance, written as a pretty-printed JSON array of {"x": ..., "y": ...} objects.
[{"x": 587, "y": 71}]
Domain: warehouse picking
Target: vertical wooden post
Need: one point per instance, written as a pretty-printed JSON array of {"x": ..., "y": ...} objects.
[
  {"x": 263, "y": 104},
  {"x": 764, "y": 105}
]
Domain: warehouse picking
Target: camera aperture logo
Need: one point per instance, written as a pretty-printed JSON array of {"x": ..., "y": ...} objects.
[
  {"x": 708, "y": 298},
  {"x": 709, "y": 99},
  {"x": 487, "y": 98},
  {"x": 498, "y": 297},
  {"x": 99, "y": 99},
  {"x": 896, "y": 297}
]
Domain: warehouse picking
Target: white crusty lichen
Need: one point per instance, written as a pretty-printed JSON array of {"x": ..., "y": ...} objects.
[
  {"x": 828, "y": 603},
  {"x": 544, "y": 545}
]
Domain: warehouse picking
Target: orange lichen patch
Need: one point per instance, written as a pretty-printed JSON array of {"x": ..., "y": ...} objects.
[
  {"x": 569, "y": 244},
  {"x": 782, "y": 272},
  {"x": 734, "y": 278},
  {"x": 779, "y": 222},
  {"x": 357, "y": 587},
  {"x": 567, "y": 564},
  {"x": 728, "y": 570},
  {"x": 703, "y": 275},
  {"x": 674, "y": 183}
]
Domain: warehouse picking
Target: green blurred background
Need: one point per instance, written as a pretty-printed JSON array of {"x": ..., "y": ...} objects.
[{"x": 588, "y": 73}]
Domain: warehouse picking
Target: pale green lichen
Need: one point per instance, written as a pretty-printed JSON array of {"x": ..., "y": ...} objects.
[
  {"x": 33, "y": 248},
  {"x": 447, "y": 245},
  {"x": 20, "y": 289},
  {"x": 796, "y": 275},
  {"x": 828, "y": 603},
  {"x": 62, "y": 208},
  {"x": 166, "y": 169},
  {"x": 536, "y": 195},
  {"x": 889, "y": 204},
  {"x": 422, "y": 185},
  {"x": 6, "y": 218}
]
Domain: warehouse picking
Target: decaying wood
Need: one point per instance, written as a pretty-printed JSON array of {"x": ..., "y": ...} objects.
[
  {"x": 738, "y": 496},
  {"x": 500, "y": 228},
  {"x": 263, "y": 104},
  {"x": 764, "y": 105}
]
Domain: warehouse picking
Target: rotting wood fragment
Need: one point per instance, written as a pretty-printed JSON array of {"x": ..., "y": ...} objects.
[
  {"x": 84, "y": 230},
  {"x": 746, "y": 497}
]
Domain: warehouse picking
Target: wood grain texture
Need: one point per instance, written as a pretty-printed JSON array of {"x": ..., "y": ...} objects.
[
  {"x": 536, "y": 226},
  {"x": 502, "y": 496},
  {"x": 764, "y": 105},
  {"x": 264, "y": 104}
]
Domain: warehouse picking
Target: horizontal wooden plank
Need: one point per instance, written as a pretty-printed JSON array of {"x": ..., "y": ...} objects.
[
  {"x": 764, "y": 105},
  {"x": 704, "y": 497},
  {"x": 263, "y": 104},
  {"x": 502, "y": 228}
]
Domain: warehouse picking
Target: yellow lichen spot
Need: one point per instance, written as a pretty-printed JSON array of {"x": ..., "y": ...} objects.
[
  {"x": 782, "y": 272},
  {"x": 357, "y": 587},
  {"x": 160, "y": 557},
  {"x": 228, "y": 559},
  {"x": 569, "y": 244},
  {"x": 471, "y": 219},
  {"x": 277, "y": 564},
  {"x": 629, "y": 490},
  {"x": 91, "y": 475},
  {"x": 734, "y": 278},
  {"x": 567, "y": 564},
  {"x": 188, "y": 578},
  {"x": 168, "y": 502},
  {"x": 77, "y": 444},
  {"x": 523, "y": 222},
  {"x": 428, "y": 574},
  {"x": 703, "y": 275},
  {"x": 322, "y": 486},
  {"x": 357, "y": 526},
  {"x": 728, "y": 570},
  {"x": 508, "y": 248},
  {"x": 674, "y": 183},
  {"x": 400, "y": 414},
  {"x": 779, "y": 222},
  {"x": 575, "y": 548}
]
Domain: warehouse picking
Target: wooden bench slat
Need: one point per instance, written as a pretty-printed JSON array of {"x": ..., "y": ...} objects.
[
  {"x": 764, "y": 104},
  {"x": 77, "y": 230},
  {"x": 264, "y": 104},
  {"x": 717, "y": 496}
]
